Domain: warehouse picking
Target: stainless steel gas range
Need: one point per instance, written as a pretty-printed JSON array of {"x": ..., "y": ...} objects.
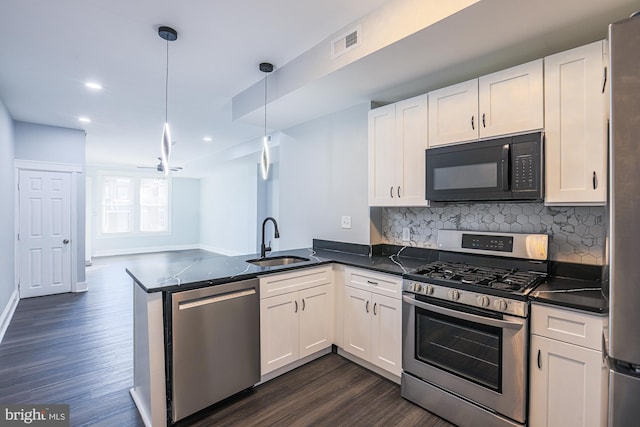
[{"x": 465, "y": 327}]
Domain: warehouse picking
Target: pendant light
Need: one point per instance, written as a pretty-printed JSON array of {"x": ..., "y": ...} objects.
[
  {"x": 168, "y": 34},
  {"x": 266, "y": 68}
]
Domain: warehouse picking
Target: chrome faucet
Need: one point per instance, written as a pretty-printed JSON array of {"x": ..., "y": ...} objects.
[{"x": 264, "y": 248}]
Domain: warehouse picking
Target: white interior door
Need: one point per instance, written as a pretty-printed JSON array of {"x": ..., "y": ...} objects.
[{"x": 44, "y": 235}]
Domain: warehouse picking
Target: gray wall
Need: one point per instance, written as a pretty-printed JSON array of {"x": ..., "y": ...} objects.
[
  {"x": 53, "y": 144},
  {"x": 323, "y": 176},
  {"x": 229, "y": 207},
  {"x": 185, "y": 221},
  {"x": 7, "y": 194}
]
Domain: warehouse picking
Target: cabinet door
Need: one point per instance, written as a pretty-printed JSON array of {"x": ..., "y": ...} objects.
[
  {"x": 357, "y": 322},
  {"x": 386, "y": 345},
  {"x": 411, "y": 142},
  {"x": 278, "y": 331},
  {"x": 453, "y": 114},
  {"x": 511, "y": 100},
  {"x": 576, "y": 109},
  {"x": 567, "y": 389},
  {"x": 382, "y": 156},
  {"x": 316, "y": 314}
]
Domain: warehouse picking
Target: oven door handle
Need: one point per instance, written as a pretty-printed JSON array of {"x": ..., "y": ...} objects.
[{"x": 462, "y": 315}]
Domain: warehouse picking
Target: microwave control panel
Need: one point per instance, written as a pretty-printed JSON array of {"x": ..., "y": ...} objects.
[{"x": 525, "y": 161}]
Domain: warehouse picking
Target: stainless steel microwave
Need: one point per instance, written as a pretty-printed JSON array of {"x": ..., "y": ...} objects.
[{"x": 508, "y": 168}]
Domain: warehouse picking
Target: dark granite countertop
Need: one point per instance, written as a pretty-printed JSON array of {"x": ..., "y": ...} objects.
[
  {"x": 215, "y": 269},
  {"x": 573, "y": 286}
]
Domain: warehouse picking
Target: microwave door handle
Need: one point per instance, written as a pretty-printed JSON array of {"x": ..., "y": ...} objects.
[
  {"x": 504, "y": 163},
  {"x": 462, "y": 315}
]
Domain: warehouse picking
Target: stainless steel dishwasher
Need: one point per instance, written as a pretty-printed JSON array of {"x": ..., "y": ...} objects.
[{"x": 216, "y": 344}]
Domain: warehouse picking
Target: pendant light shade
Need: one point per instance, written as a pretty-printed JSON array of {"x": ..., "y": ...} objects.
[
  {"x": 168, "y": 34},
  {"x": 265, "y": 160}
]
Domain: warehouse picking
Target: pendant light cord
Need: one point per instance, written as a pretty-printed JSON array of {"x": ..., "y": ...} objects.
[
  {"x": 166, "y": 88},
  {"x": 265, "y": 104}
]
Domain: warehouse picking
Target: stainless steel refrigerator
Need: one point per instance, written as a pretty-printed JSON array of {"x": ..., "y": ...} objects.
[{"x": 624, "y": 224}]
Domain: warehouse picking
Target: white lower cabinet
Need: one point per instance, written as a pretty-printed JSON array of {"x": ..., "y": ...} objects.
[
  {"x": 297, "y": 319},
  {"x": 373, "y": 318},
  {"x": 568, "y": 375}
]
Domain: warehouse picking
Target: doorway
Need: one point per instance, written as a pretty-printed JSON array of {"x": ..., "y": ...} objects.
[{"x": 46, "y": 235}]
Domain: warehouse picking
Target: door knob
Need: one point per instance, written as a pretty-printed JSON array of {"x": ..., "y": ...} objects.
[{"x": 65, "y": 241}]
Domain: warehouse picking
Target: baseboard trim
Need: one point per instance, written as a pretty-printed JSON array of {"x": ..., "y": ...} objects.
[
  {"x": 142, "y": 409},
  {"x": 7, "y": 313},
  {"x": 80, "y": 287}
]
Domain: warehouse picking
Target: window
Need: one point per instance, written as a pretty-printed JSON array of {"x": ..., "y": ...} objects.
[
  {"x": 117, "y": 204},
  {"x": 134, "y": 205},
  {"x": 153, "y": 204}
]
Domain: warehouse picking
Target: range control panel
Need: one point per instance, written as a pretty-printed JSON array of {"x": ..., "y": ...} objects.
[{"x": 487, "y": 242}]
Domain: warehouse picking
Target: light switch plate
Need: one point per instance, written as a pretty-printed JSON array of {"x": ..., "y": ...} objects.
[
  {"x": 346, "y": 221},
  {"x": 406, "y": 234}
]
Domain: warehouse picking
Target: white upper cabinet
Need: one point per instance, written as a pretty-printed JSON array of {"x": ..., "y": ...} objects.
[
  {"x": 397, "y": 144},
  {"x": 506, "y": 102},
  {"x": 576, "y": 111},
  {"x": 453, "y": 114},
  {"x": 511, "y": 101}
]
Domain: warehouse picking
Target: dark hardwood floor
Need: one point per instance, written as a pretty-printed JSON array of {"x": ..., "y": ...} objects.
[{"x": 76, "y": 349}]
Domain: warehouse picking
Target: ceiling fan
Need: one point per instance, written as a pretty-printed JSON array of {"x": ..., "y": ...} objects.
[{"x": 160, "y": 168}]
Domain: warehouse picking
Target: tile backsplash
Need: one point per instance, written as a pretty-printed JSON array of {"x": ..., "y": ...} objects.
[{"x": 576, "y": 234}]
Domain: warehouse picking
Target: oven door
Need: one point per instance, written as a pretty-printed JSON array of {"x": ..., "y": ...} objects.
[{"x": 476, "y": 354}]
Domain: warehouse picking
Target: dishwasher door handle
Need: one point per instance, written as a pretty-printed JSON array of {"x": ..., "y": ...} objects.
[{"x": 197, "y": 302}]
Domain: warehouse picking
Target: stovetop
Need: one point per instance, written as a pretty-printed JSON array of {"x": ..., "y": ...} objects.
[{"x": 478, "y": 277}]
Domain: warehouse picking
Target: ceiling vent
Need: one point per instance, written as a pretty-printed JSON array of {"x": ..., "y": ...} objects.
[{"x": 345, "y": 42}]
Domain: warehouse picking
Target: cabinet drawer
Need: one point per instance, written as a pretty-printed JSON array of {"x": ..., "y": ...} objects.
[
  {"x": 380, "y": 283},
  {"x": 278, "y": 284},
  {"x": 568, "y": 326}
]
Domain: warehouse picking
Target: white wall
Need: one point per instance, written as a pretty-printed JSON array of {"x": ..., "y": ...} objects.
[
  {"x": 323, "y": 176},
  {"x": 184, "y": 216},
  {"x": 53, "y": 144},
  {"x": 229, "y": 207},
  {"x": 7, "y": 194}
]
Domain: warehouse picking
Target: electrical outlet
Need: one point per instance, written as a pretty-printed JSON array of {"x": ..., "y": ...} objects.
[
  {"x": 406, "y": 234},
  {"x": 346, "y": 221}
]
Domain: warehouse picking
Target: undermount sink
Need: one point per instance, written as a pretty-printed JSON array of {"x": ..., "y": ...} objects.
[{"x": 277, "y": 260}]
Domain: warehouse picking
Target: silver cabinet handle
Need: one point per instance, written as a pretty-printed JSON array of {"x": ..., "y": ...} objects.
[
  {"x": 484, "y": 125},
  {"x": 296, "y": 303},
  {"x": 391, "y": 191},
  {"x": 398, "y": 191},
  {"x": 374, "y": 308},
  {"x": 371, "y": 282},
  {"x": 303, "y": 304},
  {"x": 462, "y": 315},
  {"x": 366, "y": 307},
  {"x": 66, "y": 241},
  {"x": 595, "y": 180},
  {"x": 473, "y": 125}
]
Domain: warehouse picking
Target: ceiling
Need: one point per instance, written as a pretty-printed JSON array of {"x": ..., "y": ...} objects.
[{"x": 48, "y": 50}]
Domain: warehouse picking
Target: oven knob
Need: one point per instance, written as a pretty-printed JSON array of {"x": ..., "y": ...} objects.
[
  {"x": 429, "y": 290},
  {"x": 454, "y": 294},
  {"x": 417, "y": 288},
  {"x": 483, "y": 301},
  {"x": 501, "y": 304}
]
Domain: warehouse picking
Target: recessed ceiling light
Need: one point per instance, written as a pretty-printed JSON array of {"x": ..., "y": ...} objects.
[
  {"x": 84, "y": 119},
  {"x": 207, "y": 139},
  {"x": 93, "y": 85}
]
